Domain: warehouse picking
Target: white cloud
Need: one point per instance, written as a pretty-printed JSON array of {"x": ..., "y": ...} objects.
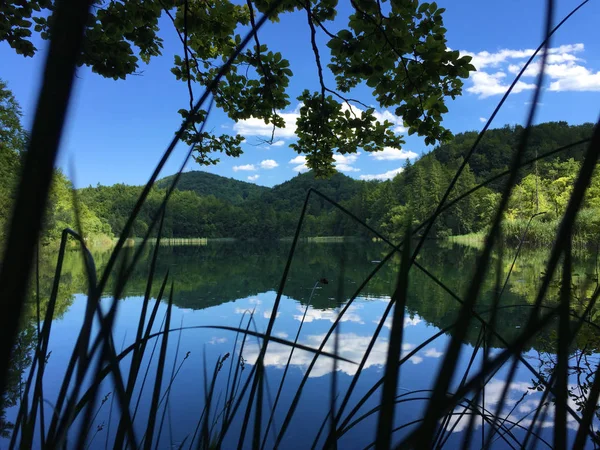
[
  {"x": 258, "y": 127},
  {"x": 245, "y": 167},
  {"x": 382, "y": 176},
  {"x": 300, "y": 163},
  {"x": 483, "y": 119},
  {"x": 564, "y": 68},
  {"x": 393, "y": 154},
  {"x": 300, "y": 168},
  {"x": 433, "y": 353},
  {"x": 282, "y": 335},
  {"x": 268, "y": 164},
  {"x": 215, "y": 340},
  {"x": 254, "y": 301},
  {"x": 344, "y": 163},
  {"x": 254, "y": 177},
  {"x": 346, "y": 168},
  {"x": 571, "y": 77},
  {"x": 565, "y": 74},
  {"x": 486, "y": 84},
  {"x": 484, "y": 59},
  {"x": 387, "y": 115}
]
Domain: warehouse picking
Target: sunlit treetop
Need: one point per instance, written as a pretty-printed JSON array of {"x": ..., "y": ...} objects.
[{"x": 396, "y": 48}]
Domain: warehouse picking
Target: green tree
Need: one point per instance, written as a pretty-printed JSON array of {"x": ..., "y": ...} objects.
[
  {"x": 399, "y": 53},
  {"x": 12, "y": 143}
]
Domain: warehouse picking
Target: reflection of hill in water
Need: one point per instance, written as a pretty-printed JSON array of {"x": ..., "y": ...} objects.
[{"x": 217, "y": 273}]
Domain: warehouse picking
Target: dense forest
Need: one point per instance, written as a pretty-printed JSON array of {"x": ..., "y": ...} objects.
[
  {"x": 211, "y": 206},
  {"x": 241, "y": 212}
]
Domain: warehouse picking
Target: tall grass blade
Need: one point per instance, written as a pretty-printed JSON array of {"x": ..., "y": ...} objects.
[
  {"x": 448, "y": 366},
  {"x": 138, "y": 354},
  {"x": 159, "y": 375},
  {"x": 69, "y": 19},
  {"x": 562, "y": 353},
  {"x": 287, "y": 365},
  {"x": 544, "y": 45},
  {"x": 385, "y": 420}
]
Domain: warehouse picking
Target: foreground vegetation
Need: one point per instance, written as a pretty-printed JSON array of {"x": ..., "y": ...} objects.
[{"x": 560, "y": 310}]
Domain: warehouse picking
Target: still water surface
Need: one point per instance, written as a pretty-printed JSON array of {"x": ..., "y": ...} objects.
[{"x": 222, "y": 283}]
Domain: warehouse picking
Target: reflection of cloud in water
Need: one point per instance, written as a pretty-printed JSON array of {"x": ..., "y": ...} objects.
[
  {"x": 254, "y": 301},
  {"x": 351, "y": 346},
  {"x": 408, "y": 321},
  {"x": 523, "y": 413},
  {"x": 267, "y": 314},
  {"x": 312, "y": 314},
  {"x": 493, "y": 393}
]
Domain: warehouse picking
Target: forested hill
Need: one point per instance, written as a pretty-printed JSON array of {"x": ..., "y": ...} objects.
[
  {"x": 207, "y": 205},
  {"x": 495, "y": 151},
  {"x": 204, "y": 183}
]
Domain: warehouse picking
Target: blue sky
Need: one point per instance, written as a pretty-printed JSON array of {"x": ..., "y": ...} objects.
[{"x": 117, "y": 130}]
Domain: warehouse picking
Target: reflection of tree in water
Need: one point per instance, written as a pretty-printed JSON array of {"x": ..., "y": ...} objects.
[
  {"x": 72, "y": 281},
  {"x": 223, "y": 272},
  {"x": 20, "y": 361},
  {"x": 220, "y": 272}
]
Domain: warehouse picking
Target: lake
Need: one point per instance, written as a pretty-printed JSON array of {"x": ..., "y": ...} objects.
[{"x": 226, "y": 283}]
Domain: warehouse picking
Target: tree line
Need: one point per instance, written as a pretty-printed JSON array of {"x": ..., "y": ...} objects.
[
  {"x": 207, "y": 205},
  {"x": 543, "y": 188}
]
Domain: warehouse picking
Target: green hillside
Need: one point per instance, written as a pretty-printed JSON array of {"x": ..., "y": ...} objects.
[{"x": 204, "y": 183}]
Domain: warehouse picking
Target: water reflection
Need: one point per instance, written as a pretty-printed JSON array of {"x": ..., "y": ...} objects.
[{"x": 219, "y": 283}]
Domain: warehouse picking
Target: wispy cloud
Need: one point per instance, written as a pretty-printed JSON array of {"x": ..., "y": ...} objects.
[
  {"x": 483, "y": 120},
  {"x": 278, "y": 143},
  {"x": 253, "y": 177}
]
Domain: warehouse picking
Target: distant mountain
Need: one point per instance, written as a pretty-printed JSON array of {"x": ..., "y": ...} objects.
[
  {"x": 204, "y": 183},
  {"x": 289, "y": 196}
]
